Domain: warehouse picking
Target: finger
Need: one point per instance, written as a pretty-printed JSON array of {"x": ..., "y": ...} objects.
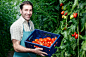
[
  {"x": 44, "y": 53},
  {"x": 40, "y": 48}
]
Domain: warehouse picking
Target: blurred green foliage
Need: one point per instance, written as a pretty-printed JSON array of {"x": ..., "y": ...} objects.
[
  {"x": 45, "y": 17},
  {"x": 7, "y": 17}
]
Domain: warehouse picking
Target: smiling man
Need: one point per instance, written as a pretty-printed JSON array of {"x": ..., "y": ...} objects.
[{"x": 21, "y": 29}]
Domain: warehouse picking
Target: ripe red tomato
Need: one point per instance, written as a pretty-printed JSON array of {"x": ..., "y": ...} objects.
[
  {"x": 73, "y": 35},
  {"x": 48, "y": 45},
  {"x": 53, "y": 39},
  {"x": 62, "y": 12},
  {"x": 41, "y": 43},
  {"x": 49, "y": 39},
  {"x": 36, "y": 46},
  {"x": 75, "y": 15},
  {"x": 45, "y": 44},
  {"x": 33, "y": 42},
  {"x": 61, "y": 4},
  {"x": 76, "y": 36},
  {"x": 66, "y": 14},
  {"x": 41, "y": 40},
  {"x": 51, "y": 43},
  {"x": 45, "y": 40},
  {"x": 36, "y": 40}
]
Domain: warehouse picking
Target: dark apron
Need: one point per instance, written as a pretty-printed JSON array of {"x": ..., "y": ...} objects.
[{"x": 18, "y": 54}]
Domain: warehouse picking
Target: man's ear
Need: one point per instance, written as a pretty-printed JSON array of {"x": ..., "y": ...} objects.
[{"x": 20, "y": 11}]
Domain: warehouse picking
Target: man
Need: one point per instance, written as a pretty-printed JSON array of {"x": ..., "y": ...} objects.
[{"x": 20, "y": 30}]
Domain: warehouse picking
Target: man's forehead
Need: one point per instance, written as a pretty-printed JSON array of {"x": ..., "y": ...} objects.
[{"x": 27, "y": 6}]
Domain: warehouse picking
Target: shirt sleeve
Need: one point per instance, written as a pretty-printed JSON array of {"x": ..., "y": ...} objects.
[{"x": 15, "y": 32}]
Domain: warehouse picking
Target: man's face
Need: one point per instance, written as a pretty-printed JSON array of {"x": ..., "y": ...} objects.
[{"x": 26, "y": 12}]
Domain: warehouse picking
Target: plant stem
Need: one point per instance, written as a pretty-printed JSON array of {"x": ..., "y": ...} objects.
[
  {"x": 78, "y": 31},
  {"x": 84, "y": 54},
  {"x": 85, "y": 28},
  {"x": 78, "y": 41}
]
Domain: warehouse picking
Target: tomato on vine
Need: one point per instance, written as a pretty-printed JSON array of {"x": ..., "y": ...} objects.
[
  {"x": 71, "y": 16},
  {"x": 62, "y": 7},
  {"x": 76, "y": 36},
  {"x": 61, "y": 4},
  {"x": 73, "y": 35},
  {"x": 62, "y": 16},
  {"x": 62, "y": 12},
  {"x": 65, "y": 17},
  {"x": 75, "y": 15},
  {"x": 66, "y": 14}
]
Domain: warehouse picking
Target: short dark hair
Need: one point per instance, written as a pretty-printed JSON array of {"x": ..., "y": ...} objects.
[{"x": 26, "y": 2}]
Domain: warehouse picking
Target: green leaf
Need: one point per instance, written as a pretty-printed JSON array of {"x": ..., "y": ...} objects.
[
  {"x": 57, "y": 7},
  {"x": 65, "y": 34},
  {"x": 67, "y": 53},
  {"x": 54, "y": 20},
  {"x": 84, "y": 46},
  {"x": 75, "y": 4},
  {"x": 63, "y": 46}
]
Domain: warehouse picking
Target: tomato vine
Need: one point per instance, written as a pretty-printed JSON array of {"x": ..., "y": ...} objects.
[{"x": 71, "y": 45}]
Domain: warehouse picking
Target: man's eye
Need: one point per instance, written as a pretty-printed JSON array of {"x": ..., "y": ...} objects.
[{"x": 30, "y": 10}]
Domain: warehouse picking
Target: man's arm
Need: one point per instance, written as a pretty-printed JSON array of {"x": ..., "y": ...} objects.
[{"x": 18, "y": 48}]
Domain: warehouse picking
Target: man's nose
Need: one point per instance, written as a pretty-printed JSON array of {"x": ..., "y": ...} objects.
[{"x": 28, "y": 12}]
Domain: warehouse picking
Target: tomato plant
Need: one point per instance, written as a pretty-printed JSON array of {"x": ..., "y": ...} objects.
[{"x": 72, "y": 44}]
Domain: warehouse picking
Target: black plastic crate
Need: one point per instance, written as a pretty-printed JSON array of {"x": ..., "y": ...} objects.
[{"x": 36, "y": 34}]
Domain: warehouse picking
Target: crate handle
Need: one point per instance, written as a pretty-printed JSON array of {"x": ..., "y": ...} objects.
[
  {"x": 55, "y": 44},
  {"x": 30, "y": 37}
]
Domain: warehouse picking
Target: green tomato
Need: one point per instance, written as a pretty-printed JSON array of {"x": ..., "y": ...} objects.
[
  {"x": 65, "y": 17},
  {"x": 62, "y": 16},
  {"x": 71, "y": 16}
]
